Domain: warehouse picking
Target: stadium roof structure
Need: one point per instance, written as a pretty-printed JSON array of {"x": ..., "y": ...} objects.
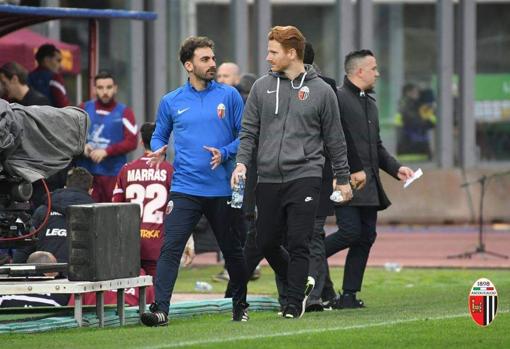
[{"x": 13, "y": 17}]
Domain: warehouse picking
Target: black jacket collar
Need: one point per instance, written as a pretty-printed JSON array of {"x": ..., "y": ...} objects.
[{"x": 355, "y": 89}]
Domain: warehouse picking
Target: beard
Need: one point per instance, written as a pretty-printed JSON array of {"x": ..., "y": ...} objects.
[
  {"x": 105, "y": 99},
  {"x": 206, "y": 76}
]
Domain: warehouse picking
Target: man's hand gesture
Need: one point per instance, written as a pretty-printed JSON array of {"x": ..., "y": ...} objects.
[
  {"x": 215, "y": 158},
  {"x": 157, "y": 157}
]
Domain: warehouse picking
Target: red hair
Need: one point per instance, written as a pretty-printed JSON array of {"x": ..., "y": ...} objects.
[{"x": 289, "y": 37}]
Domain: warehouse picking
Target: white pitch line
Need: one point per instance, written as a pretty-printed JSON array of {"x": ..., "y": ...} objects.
[{"x": 305, "y": 331}]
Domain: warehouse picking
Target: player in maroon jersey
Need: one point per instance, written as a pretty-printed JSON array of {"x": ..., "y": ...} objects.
[{"x": 149, "y": 187}]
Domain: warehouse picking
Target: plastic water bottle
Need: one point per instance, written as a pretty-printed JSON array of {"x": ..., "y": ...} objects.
[
  {"x": 238, "y": 194},
  {"x": 393, "y": 266},
  {"x": 203, "y": 286},
  {"x": 336, "y": 196}
]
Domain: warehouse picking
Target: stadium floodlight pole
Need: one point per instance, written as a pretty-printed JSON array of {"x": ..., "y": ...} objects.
[{"x": 483, "y": 180}]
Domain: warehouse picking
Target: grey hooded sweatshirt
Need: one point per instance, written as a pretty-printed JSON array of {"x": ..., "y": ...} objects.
[{"x": 288, "y": 123}]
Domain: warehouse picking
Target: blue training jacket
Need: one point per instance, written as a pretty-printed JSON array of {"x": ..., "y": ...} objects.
[
  {"x": 211, "y": 117},
  {"x": 104, "y": 131}
]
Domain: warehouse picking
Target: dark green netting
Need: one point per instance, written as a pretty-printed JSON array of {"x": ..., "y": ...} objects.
[{"x": 177, "y": 310}]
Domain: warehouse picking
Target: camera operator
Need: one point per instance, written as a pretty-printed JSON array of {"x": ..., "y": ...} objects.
[
  {"x": 36, "y": 300},
  {"x": 53, "y": 237},
  {"x": 14, "y": 78}
]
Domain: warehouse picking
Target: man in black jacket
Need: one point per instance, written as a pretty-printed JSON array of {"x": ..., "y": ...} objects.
[
  {"x": 358, "y": 217},
  {"x": 53, "y": 236},
  {"x": 318, "y": 261}
]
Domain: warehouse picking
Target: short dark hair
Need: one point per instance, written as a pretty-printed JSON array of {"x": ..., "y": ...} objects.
[
  {"x": 309, "y": 56},
  {"x": 353, "y": 58},
  {"x": 246, "y": 83},
  {"x": 189, "y": 46},
  {"x": 10, "y": 69},
  {"x": 80, "y": 178},
  {"x": 104, "y": 74},
  {"x": 46, "y": 50},
  {"x": 146, "y": 131}
]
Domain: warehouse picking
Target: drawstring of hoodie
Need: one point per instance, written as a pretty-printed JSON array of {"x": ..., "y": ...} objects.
[
  {"x": 291, "y": 84},
  {"x": 277, "y": 95},
  {"x": 300, "y": 84}
]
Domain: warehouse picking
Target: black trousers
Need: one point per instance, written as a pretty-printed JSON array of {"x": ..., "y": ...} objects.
[
  {"x": 179, "y": 224},
  {"x": 286, "y": 212},
  {"x": 253, "y": 255},
  {"x": 356, "y": 231},
  {"x": 318, "y": 265}
]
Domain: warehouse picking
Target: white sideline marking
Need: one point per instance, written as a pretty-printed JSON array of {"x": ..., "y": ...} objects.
[{"x": 306, "y": 331}]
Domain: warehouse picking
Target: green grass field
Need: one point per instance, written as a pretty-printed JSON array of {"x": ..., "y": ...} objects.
[{"x": 415, "y": 308}]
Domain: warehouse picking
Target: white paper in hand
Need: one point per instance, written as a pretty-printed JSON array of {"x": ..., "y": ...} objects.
[{"x": 417, "y": 174}]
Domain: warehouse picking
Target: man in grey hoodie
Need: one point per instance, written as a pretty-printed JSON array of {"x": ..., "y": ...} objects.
[{"x": 289, "y": 116}]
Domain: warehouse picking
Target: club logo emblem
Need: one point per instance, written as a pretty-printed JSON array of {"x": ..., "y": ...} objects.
[
  {"x": 220, "y": 110},
  {"x": 483, "y": 302},
  {"x": 303, "y": 93}
]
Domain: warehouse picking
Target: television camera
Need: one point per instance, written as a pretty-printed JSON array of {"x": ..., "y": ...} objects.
[
  {"x": 35, "y": 142},
  {"x": 15, "y": 218}
]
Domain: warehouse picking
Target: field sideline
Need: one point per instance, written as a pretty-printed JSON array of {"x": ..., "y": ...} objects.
[{"x": 416, "y": 308}]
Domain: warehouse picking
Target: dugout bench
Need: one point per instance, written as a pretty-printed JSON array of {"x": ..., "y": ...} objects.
[{"x": 77, "y": 288}]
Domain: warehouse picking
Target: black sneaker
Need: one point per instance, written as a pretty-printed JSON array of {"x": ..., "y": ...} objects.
[
  {"x": 292, "y": 311},
  {"x": 155, "y": 317},
  {"x": 331, "y": 303},
  {"x": 310, "y": 284},
  {"x": 314, "y": 305},
  {"x": 240, "y": 313},
  {"x": 349, "y": 301}
]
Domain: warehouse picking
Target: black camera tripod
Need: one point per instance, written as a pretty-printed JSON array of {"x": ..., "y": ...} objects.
[{"x": 480, "y": 249}]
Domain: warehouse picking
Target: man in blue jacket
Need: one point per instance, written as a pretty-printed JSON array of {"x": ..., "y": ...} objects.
[{"x": 205, "y": 118}]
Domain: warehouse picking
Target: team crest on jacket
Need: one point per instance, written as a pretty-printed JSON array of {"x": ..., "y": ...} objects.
[
  {"x": 483, "y": 302},
  {"x": 303, "y": 93},
  {"x": 220, "y": 110}
]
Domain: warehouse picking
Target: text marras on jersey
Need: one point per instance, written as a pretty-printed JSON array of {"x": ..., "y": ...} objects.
[{"x": 150, "y": 174}]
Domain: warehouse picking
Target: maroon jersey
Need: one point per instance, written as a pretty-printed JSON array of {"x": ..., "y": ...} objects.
[{"x": 149, "y": 187}]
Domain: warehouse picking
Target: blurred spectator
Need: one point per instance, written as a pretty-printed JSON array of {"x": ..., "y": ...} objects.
[
  {"x": 228, "y": 73},
  {"x": 14, "y": 79},
  {"x": 151, "y": 192},
  {"x": 53, "y": 236},
  {"x": 46, "y": 78},
  {"x": 245, "y": 84},
  {"x": 112, "y": 134},
  {"x": 36, "y": 300},
  {"x": 414, "y": 120}
]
